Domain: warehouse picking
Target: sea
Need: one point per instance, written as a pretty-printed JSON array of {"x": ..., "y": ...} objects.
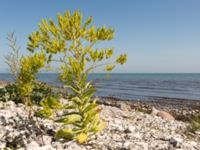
[{"x": 137, "y": 86}]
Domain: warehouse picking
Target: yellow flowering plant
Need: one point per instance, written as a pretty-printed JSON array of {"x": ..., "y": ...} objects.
[{"x": 72, "y": 43}]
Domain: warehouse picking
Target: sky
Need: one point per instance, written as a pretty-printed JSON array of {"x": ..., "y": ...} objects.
[{"x": 158, "y": 36}]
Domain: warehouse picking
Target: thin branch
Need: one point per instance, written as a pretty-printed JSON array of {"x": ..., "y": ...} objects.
[
  {"x": 97, "y": 66},
  {"x": 12, "y": 58}
]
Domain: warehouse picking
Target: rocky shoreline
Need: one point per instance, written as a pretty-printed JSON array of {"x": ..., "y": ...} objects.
[
  {"x": 161, "y": 103},
  {"x": 179, "y": 108},
  {"x": 127, "y": 129},
  {"x": 131, "y": 125}
]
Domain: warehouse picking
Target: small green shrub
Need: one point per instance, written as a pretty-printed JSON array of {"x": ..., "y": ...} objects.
[
  {"x": 29, "y": 67},
  {"x": 45, "y": 113},
  {"x": 40, "y": 91},
  {"x": 49, "y": 104},
  {"x": 24, "y": 69},
  {"x": 194, "y": 123},
  {"x": 143, "y": 110},
  {"x": 10, "y": 92}
]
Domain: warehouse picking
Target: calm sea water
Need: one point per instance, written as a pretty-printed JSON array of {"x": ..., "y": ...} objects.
[{"x": 138, "y": 86}]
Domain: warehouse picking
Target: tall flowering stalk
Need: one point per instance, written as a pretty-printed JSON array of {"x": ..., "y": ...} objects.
[{"x": 72, "y": 43}]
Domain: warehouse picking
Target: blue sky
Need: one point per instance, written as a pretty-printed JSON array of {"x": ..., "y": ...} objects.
[{"x": 158, "y": 36}]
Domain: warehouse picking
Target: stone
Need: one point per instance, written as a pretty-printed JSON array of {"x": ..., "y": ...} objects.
[
  {"x": 2, "y": 119},
  {"x": 142, "y": 145},
  {"x": 59, "y": 113},
  {"x": 10, "y": 105},
  {"x": 165, "y": 115},
  {"x": 154, "y": 111},
  {"x": 57, "y": 145},
  {"x": 162, "y": 114},
  {"x": 124, "y": 107},
  {"x": 130, "y": 129},
  {"x": 44, "y": 140},
  {"x": 32, "y": 146},
  {"x": 193, "y": 143},
  {"x": 136, "y": 135},
  {"x": 176, "y": 142},
  {"x": 21, "y": 140},
  {"x": 73, "y": 146},
  {"x": 2, "y": 145},
  {"x": 47, "y": 140},
  {"x": 126, "y": 145},
  {"x": 21, "y": 148},
  {"x": 197, "y": 132},
  {"x": 46, "y": 147}
]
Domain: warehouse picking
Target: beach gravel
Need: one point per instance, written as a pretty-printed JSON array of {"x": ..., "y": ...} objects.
[{"x": 127, "y": 129}]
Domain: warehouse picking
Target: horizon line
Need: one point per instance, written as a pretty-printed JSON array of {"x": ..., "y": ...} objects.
[{"x": 122, "y": 73}]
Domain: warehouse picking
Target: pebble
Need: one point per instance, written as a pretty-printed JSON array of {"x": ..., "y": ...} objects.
[{"x": 176, "y": 142}]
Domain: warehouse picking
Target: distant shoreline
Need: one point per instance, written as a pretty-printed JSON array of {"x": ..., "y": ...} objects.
[
  {"x": 176, "y": 102},
  {"x": 167, "y": 104}
]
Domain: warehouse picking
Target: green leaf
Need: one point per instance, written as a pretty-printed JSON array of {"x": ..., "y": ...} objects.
[
  {"x": 100, "y": 127},
  {"x": 64, "y": 133},
  {"x": 90, "y": 116},
  {"x": 70, "y": 119},
  {"x": 88, "y": 93},
  {"x": 44, "y": 113},
  {"x": 76, "y": 100},
  {"x": 96, "y": 120},
  {"x": 90, "y": 107},
  {"x": 51, "y": 103},
  {"x": 73, "y": 89},
  {"x": 49, "y": 58},
  {"x": 68, "y": 107}
]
